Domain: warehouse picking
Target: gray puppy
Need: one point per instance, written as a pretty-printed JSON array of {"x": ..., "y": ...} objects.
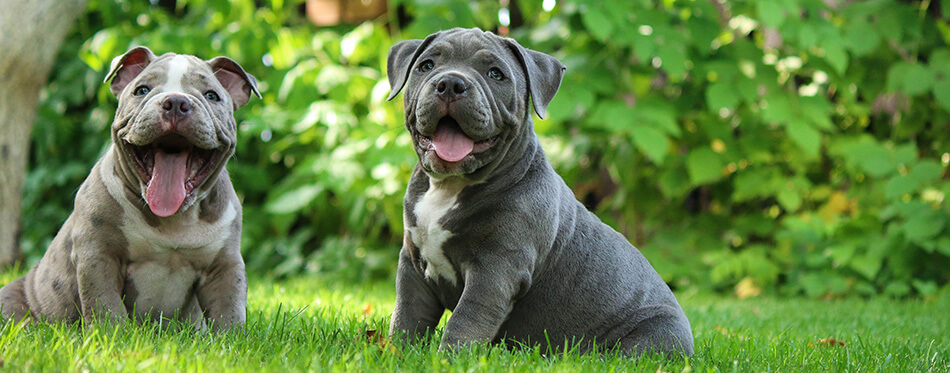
[
  {"x": 491, "y": 231},
  {"x": 156, "y": 228}
]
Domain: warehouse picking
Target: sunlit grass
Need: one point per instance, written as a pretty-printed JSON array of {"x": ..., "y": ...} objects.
[{"x": 319, "y": 324}]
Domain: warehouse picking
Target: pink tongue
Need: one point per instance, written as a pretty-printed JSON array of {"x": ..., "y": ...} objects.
[
  {"x": 451, "y": 144},
  {"x": 166, "y": 191}
]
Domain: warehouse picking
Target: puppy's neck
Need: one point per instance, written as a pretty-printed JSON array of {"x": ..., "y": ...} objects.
[
  {"x": 523, "y": 159},
  {"x": 451, "y": 184}
]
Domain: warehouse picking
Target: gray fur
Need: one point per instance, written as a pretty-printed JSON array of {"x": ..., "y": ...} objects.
[
  {"x": 113, "y": 258},
  {"x": 498, "y": 237}
]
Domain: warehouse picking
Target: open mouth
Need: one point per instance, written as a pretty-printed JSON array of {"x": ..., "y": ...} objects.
[
  {"x": 450, "y": 143},
  {"x": 171, "y": 167}
]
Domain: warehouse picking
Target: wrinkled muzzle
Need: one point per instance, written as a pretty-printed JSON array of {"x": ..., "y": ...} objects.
[
  {"x": 172, "y": 168},
  {"x": 174, "y": 151}
]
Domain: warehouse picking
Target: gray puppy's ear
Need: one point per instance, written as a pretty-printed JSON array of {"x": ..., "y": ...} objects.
[
  {"x": 399, "y": 63},
  {"x": 126, "y": 67},
  {"x": 543, "y": 72},
  {"x": 235, "y": 80}
]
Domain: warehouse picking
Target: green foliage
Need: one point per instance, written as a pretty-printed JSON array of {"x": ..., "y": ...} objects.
[
  {"x": 809, "y": 143},
  {"x": 799, "y": 144}
]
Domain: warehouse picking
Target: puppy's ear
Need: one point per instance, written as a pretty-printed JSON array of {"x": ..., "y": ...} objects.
[
  {"x": 233, "y": 78},
  {"x": 126, "y": 67},
  {"x": 399, "y": 63},
  {"x": 543, "y": 72}
]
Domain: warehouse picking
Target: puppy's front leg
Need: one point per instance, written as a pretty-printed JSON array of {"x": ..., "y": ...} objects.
[
  {"x": 222, "y": 294},
  {"x": 417, "y": 310},
  {"x": 489, "y": 295},
  {"x": 100, "y": 280}
]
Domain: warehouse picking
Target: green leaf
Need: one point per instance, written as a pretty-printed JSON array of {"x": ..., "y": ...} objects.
[
  {"x": 897, "y": 289},
  {"x": 863, "y": 288},
  {"x": 704, "y": 166},
  {"x": 943, "y": 245},
  {"x": 650, "y": 141},
  {"x": 723, "y": 70},
  {"x": 917, "y": 79},
  {"x": 906, "y": 210},
  {"x": 770, "y": 12},
  {"x": 836, "y": 56},
  {"x": 895, "y": 76},
  {"x": 814, "y": 284},
  {"x": 615, "y": 116},
  {"x": 673, "y": 60},
  {"x": 861, "y": 37},
  {"x": 597, "y": 22},
  {"x": 807, "y": 36},
  {"x": 867, "y": 265},
  {"x": 748, "y": 89},
  {"x": 941, "y": 91},
  {"x": 752, "y": 183},
  {"x": 871, "y": 157},
  {"x": 817, "y": 110},
  {"x": 939, "y": 62},
  {"x": 674, "y": 182},
  {"x": 926, "y": 171},
  {"x": 294, "y": 200},
  {"x": 922, "y": 227},
  {"x": 911, "y": 78},
  {"x": 898, "y": 186},
  {"x": 889, "y": 19},
  {"x": 703, "y": 31},
  {"x": 929, "y": 246},
  {"x": 789, "y": 199},
  {"x": 925, "y": 288},
  {"x": 905, "y": 153},
  {"x": 721, "y": 95},
  {"x": 574, "y": 97},
  {"x": 841, "y": 253},
  {"x": 643, "y": 45},
  {"x": 806, "y": 137},
  {"x": 659, "y": 113},
  {"x": 778, "y": 108}
]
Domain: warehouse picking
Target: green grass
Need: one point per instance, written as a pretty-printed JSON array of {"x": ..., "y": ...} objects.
[{"x": 311, "y": 324}]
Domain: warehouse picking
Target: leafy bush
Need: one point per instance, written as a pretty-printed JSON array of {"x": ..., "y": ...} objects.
[
  {"x": 800, "y": 143},
  {"x": 797, "y": 145}
]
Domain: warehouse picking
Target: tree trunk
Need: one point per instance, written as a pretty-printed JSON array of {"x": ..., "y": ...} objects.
[{"x": 31, "y": 32}]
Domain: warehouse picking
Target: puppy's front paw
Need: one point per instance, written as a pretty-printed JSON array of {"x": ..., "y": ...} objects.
[
  {"x": 105, "y": 317},
  {"x": 454, "y": 345}
]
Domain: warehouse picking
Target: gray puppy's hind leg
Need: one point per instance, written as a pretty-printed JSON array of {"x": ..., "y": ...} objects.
[
  {"x": 13, "y": 300},
  {"x": 666, "y": 333}
]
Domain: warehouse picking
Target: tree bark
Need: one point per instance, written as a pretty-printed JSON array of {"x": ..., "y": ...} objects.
[{"x": 31, "y": 32}]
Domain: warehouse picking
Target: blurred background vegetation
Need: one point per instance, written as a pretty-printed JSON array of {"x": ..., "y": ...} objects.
[{"x": 777, "y": 146}]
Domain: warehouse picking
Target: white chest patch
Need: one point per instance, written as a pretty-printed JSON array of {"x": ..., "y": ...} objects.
[
  {"x": 166, "y": 261},
  {"x": 162, "y": 290},
  {"x": 177, "y": 68},
  {"x": 428, "y": 235}
]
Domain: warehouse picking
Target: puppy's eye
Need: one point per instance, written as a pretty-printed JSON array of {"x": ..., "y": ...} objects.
[
  {"x": 212, "y": 96},
  {"x": 496, "y": 74},
  {"x": 141, "y": 90},
  {"x": 426, "y": 66}
]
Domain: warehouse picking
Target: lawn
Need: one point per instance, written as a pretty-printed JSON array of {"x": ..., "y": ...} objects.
[{"x": 307, "y": 324}]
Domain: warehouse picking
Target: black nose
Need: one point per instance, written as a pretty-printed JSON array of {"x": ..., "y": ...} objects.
[
  {"x": 176, "y": 105},
  {"x": 451, "y": 88}
]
